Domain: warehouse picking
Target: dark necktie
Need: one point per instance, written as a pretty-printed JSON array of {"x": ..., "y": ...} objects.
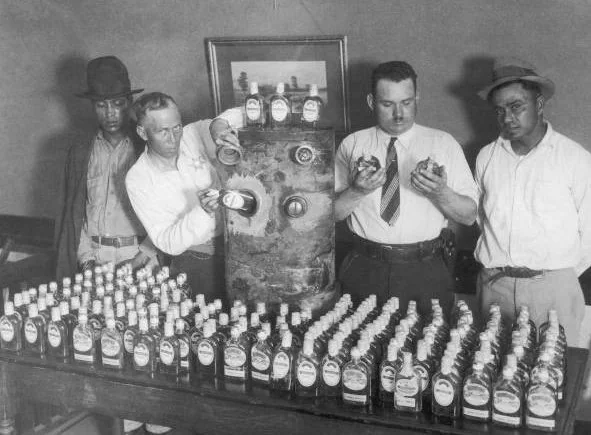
[{"x": 390, "y": 205}]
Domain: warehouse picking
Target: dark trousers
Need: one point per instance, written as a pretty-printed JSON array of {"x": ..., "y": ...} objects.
[
  {"x": 205, "y": 274},
  {"x": 418, "y": 280}
]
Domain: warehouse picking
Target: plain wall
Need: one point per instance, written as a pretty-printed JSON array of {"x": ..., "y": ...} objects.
[{"x": 45, "y": 46}]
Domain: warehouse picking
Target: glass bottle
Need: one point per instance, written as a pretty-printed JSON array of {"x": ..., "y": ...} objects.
[
  {"x": 70, "y": 320},
  {"x": 282, "y": 365},
  {"x": 507, "y": 395},
  {"x": 35, "y": 332},
  {"x": 260, "y": 356},
  {"x": 476, "y": 395},
  {"x": 144, "y": 349},
  {"x": 388, "y": 369},
  {"x": 307, "y": 371},
  {"x": 254, "y": 106},
  {"x": 57, "y": 336},
  {"x": 425, "y": 366},
  {"x": 356, "y": 381},
  {"x": 112, "y": 348},
  {"x": 407, "y": 387},
  {"x": 279, "y": 107},
  {"x": 541, "y": 403},
  {"x": 312, "y": 108},
  {"x": 169, "y": 362},
  {"x": 184, "y": 346},
  {"x": 445, "y": 398},
  {"x": 236, "y": 351},
  {"x": 120, "y": 317},
  {"x": 129, "y": 334},
  {"x": 10, "y": 329},
  {"x": 332, "y": 364},
  {"x": 195, "y": 334},
  {"x": 208, "y": 362},
  {"x": 85, "y": 351}
]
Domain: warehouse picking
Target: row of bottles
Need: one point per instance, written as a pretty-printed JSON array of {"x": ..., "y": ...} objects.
[{"x": 279, "y": 108}]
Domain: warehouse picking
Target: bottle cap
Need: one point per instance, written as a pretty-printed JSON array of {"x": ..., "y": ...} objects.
[
  {"x": 8, "y": 308},
  {"x": 168, "y": 329},
  {"x": 254, "y": 320},
  {"x": 261, "y": 308},
  {"x": 286, "y": 339},
  {"x": 143, "y": 325},
  {"x": 253, "y": 88},
  {"x": 82, "y": 318},
  {"x": 132, "y": 318},
  {"x": 280, "y": 88},
  {"x": 200, "y": 299},
  {"x": 55, "y": 314},
  {"x": 313, "y": 90},
  {"x": 217, "y": 303},
  {"x": 223, "y": 319},
  {"x": 179, "y": 325},
  {"x": 110, "y": 322},
  {"x": 284, "y": 309},
  {"x": 198, "y": 320},
  {"x": 261, "y": 335}
]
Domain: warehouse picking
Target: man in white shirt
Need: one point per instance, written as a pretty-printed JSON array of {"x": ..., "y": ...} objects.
[
  {"x": 398, "y": 211},
  {"x": 169, "y": 190},
  {"x": 535, "y": 205}
]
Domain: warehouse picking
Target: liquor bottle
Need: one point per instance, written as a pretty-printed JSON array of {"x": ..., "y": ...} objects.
[
  {"x": 507, "y": 395},
  {"x": 331, "y": 370},
  {"x": 279, "y": 108},
  {"x": 10, "y": 329},
  {"x": 388, "y": 369},
  {"x": 552, "y": 321},
  {"x": 236, "y": 352},
  {"x": 129, "y": 334},
  {"x": 445, "y": 398},
  {"x": 85, "y": 351},
  {"x": 407, "y": 387},
  {"x": 307, "y": 371},
  {"x": 70, "y": 320},
  {"x": 476, "y": 395},
  {"x": 282, "y": 366},
  {"x": 169, "y": 362},
  {"x": 35, "y": 332},
  {"x": 20, "y": 308},
  {"x": 57, "y": 336},
  {"x": 541, "y": 403},
  {"x": 260, "y": 356},
  {"x": 97, "y": 320},
  {"x": 120, "y": 317},
  {"x": 425, "y": 366},
  {"x": 43, "y": 311},
  {"x": 356, "y": 381},
  {"x": 209, "y": 357},
  {"x": 254, "y": 106},
  {"x": 112, "y": 347},
  {"x": 186, "y": 365},
  {"x": 195, "y": 334},
  {"x": 144, "y": 349},
  {"x": 312, "y": 108}
]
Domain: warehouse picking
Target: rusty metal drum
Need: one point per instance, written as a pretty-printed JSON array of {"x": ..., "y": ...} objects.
[{"x": 284, "y": 250}]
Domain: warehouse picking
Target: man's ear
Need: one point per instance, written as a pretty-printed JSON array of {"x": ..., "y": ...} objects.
[
  {"x": 540, "y": 102},
  {"x": 370, "y": 101},
  {"x": 141, "y": 131}
]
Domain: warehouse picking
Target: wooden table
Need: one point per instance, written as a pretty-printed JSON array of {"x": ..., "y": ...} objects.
[{"x": 224, "y": 409}]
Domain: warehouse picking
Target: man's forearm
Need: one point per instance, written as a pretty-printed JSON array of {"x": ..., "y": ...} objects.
[
  {"x": 459, "y": 208},
  {"x": 346, "y": 202}
]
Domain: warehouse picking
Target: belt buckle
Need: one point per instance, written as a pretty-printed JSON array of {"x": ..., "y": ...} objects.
[
  {"x": 117, "y": 242},
  {"x": 385, "y": 253}
]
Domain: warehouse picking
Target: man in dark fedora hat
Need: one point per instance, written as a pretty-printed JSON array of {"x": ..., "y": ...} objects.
[
  {"x": 535, "y": 204},
  {"x": 98, "y": 224}
]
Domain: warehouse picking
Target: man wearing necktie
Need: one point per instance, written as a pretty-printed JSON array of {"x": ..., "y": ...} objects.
[{"x": 397, "y": 211}]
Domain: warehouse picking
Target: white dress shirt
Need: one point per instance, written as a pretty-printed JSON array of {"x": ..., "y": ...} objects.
[
  {"x": 419, "y": 218},
  {"x": 535, "y": 209},
  {"x": 166, "y": 201}
]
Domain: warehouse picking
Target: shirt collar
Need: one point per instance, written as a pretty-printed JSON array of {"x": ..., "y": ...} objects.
[
  {"x": 403, "y": 139},
  {"x": 545, "y": 142},
  {"x": 100, "y": 137}
]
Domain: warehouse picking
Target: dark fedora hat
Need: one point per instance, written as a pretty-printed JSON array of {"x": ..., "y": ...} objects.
[
  {"x": 510, "y": 69},
  {"x": 107, "y": 78}
]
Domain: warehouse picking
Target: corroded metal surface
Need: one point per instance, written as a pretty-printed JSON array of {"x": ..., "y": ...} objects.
[{"x": 272, "y": 256}]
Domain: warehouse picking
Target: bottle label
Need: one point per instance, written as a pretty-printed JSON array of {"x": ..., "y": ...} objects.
[
  {"x": 30, "y": 332},
  {"x": 82, "y": 341},
  {"x": 311, "y": 111},
  {"x": 506, "y": 402},
  {"x": 357, "y": 398},
  {"x": 110, "y": 347},
  {"x": 478, "y": 413},
  {"x": 128, "y": 338},
  {"x": 406, "y": 387},
  {"x": 253, "y": 109},
  {"x": 331, "y": 373},
  {"x": 260, "y": 376},
  {"x": 119, "y": 325},
  {"x": 405, "y": 401},
  {"x": 6, "y": 330},
  {"x": 260, "y": 360},
  {"x": 141, "y": 355},
  {"x": 234, "y": 356},
  {"x": 387, "y": 378},
  {"x": 279, "y": 110},
  {"x": 53, "y": 335},
  {"x": 475, "y": 394},
  {"x": 443, "y": 391},
  {"x": 424, "y": 374},
  {"x": 280, "y": 365},
  {"x": 306, "y": 374},
  {"x": 166, "y": 353},
  {"x": 205, "y": 353},
  {"x": 549, "y": 423},
  {"x": 183, "y": 349},
  {"x": 540, "y": 401},
  {"x": 507, "y": 419},
  {"x": 354, "y": 379}
]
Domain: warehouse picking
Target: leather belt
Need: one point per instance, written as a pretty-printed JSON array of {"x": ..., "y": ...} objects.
[
  {"x": 118, "y": 242},
  {"x": 518, "y": 272},
  {"x": 403, "y": 253}
]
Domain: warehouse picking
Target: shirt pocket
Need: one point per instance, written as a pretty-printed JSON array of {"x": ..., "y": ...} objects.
[
  {"x": 551, "y": 203},
  {"x": 95, "y": 187}
]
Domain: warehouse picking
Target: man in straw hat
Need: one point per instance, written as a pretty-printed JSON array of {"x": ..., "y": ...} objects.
[
  {"x": 535, "y": 205},
  {"x": 98, "y": 224}
]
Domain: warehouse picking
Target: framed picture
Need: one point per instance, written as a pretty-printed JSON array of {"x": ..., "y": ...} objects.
[{"x": 297, "y": 62}]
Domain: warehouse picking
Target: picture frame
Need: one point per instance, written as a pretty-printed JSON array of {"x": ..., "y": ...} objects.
[{"x": 297, "y": 61}]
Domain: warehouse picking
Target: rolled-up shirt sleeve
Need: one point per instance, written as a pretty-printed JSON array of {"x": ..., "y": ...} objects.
[{"x": 168, "y": 231}]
